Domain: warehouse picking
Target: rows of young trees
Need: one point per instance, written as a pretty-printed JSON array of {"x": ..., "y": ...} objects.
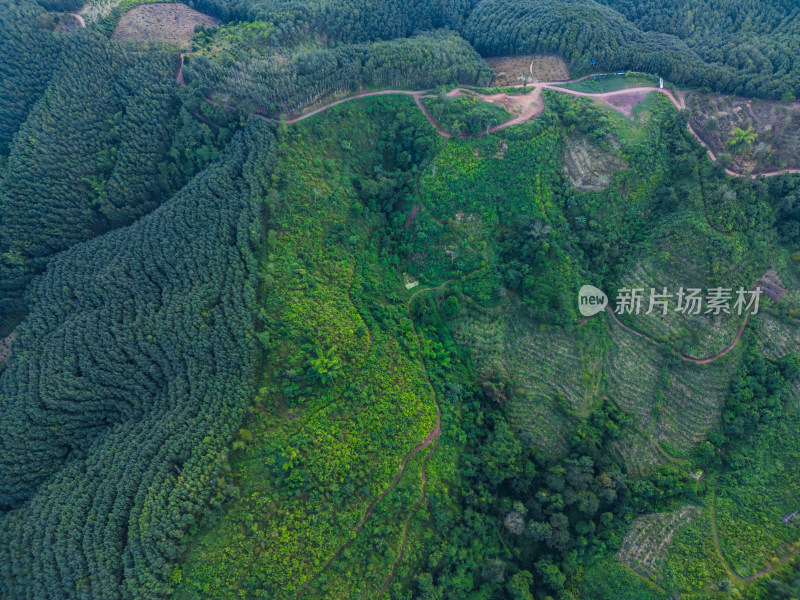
[
  {"x": 62, "y": 5},
  {"x": 76, "y": 167},
  {"x": 581, "y": 32},
  {"x": 758, "y": 41},
  {"x": 524, "y": 524},
  {"x": 29, "y": 54},
  {"x": 261, "y": 80},
  {"x": 96, "y": 137},
  {"x": 745, "y": 48},
  {"x": 342, "y": 21},
  {"x": 129, "y": 378}
]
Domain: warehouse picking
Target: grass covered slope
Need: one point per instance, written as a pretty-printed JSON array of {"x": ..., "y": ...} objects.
[
  {"x": 497, "y": 240},
  {"x": 345, "y": 361},
  {"x": 128, "y": 381}
]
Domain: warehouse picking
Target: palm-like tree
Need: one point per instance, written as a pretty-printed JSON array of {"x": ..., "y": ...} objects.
[{"x": 741, "y": 139}]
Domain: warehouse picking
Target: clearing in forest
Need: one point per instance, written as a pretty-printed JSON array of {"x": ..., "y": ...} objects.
[
  {"x": 625, "y": 102},
  {"x": 170, "y": 23},
  {"x": 60, "y": 22},
  {"x": 776, "y": 144},
  {"x": 589, "y": 167},
  {"x": 95, "y": 10},
  {"x": 515, "y": 70},
  {"x": 600, "y": 84},
  {"x": 647, "y": 541}
]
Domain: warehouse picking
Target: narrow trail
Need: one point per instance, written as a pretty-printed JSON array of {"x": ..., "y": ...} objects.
[
  {"x": 537, "y": 88},
  {"x": 428, "y": 289},
  {"x": 697, "y": 361},
  {"x": 538, "y": 108},
  {"x": 728, "y": 567},
  {"x": 431, "y": 438},
  {"x": 408, "y": 523},
  {"x": 179, "y": 76},
  {"x": 715, "y": 540}
]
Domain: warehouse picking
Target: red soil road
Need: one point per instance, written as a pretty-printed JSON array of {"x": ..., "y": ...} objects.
[
  {"x": 179, "y": 76},
  {"x": 538, "y": 108},
  {"x": 698, "y": 361}
]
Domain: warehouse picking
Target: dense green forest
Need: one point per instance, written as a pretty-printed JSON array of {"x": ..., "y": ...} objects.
[
  {"x": 245, "y": 355},
  {"x": 745, "y": 48},
  {"x": 125, "y": 388},
  {"x": 269, "y": 83},
  {"x": 31, "y": 55},
  {"x": 106, "y": 140}
]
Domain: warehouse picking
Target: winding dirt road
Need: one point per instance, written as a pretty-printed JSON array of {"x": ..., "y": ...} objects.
[
  {"x": 536, "y": 107},
  {"x": 697, "y": 361}
]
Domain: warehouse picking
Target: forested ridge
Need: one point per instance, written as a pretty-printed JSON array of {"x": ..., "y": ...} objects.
[
  {"x": 130, "y": 376},
  {"x": 94, "y": 137},
  {"x": 271, "y": 84},
  {"x": 745, "y": 48},
  {"x": 30, "y": 56}
]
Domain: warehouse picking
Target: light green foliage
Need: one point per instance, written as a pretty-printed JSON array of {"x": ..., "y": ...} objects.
[
  {"x": 322, "y": 454},
  {"x": 465, "y": 115},
  {"x": 741, "y": 139},
  {"x": 470, "y": 438}
]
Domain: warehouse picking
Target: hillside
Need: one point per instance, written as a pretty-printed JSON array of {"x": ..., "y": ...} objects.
[{"x": 292, "y": 300}]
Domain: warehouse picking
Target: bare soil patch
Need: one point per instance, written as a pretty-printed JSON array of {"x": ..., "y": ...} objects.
[
  {"x": 777, "y": 125},
  {"x": 549, "y": 68},
  {"x": 588, "y": 166},
  {"x": 625, "y": 102},
  {"x": 514, "y": 70},
  {"x": 170, "y": 23},
  {"x": 772, "y": 286},
  {"x": 60, "y": 22}
]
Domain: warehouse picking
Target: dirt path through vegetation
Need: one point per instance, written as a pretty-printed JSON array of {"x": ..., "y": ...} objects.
[
  {"x": 534, "y": 107},
  {"x": 728, "y": 567},
  {"x": 698, "y": 361},
  {"x": 715, "y": 540},
  {"x": 408, "y": 523},
  {"x": 431, "y": 438}
]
